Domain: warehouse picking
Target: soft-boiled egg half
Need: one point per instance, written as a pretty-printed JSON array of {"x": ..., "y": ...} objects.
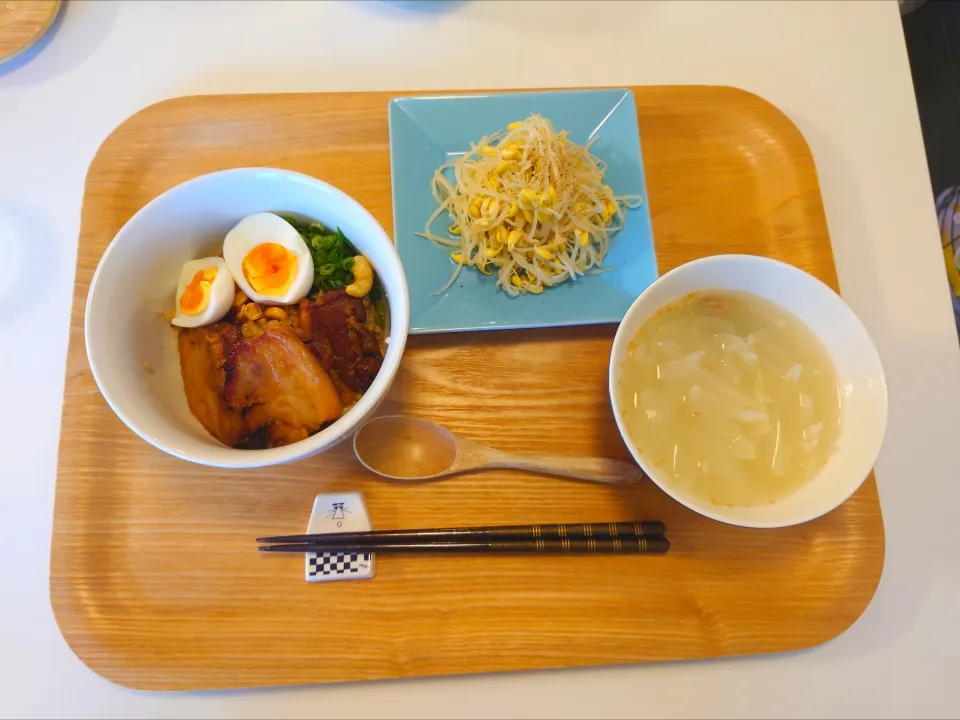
[
  {"x": 204, "y": 294},
  {"x": 269, "y": 259}
]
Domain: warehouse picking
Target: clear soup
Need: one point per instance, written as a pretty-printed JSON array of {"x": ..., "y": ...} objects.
[{"x": 732, "y": 397}]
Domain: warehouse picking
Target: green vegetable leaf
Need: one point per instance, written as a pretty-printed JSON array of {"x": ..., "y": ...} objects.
[
  {"x": 346, "y": 243},
  {"x": 293, "y": 221},
  {"x": 332, "y": 256}
]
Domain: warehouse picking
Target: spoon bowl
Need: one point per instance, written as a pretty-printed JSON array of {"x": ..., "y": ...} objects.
[{"x": 402, "y": 447}]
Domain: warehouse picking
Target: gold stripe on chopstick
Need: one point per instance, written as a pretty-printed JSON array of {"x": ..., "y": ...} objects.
[
  {"x": 591, "y": 544},
  {"x": 587, "y": 530},
  {"x": 617, "y": 544},
  {"x": 562, "y": 530},
  {"x": 637, "y": 529}
]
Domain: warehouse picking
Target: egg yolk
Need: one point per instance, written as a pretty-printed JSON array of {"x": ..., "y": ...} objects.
[
  {"x": 270, "y": 269},
  {"x": 196, "y": 295}
]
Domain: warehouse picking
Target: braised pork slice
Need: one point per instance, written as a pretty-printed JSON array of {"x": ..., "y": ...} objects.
[
  {"x": 281, "y": 389},
  {"x": 203, "y": 352},
  {"x": 339, "y": 332}
]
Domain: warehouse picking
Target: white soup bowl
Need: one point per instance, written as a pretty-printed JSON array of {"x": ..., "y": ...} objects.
[{"x": 863, "y": 389}]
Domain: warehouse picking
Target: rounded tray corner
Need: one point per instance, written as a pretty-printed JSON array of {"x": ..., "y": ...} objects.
[
  {"x": 132, "y": 123},
  {"x": 93, "y": 662},
  {"x": 786, "y": 122}
]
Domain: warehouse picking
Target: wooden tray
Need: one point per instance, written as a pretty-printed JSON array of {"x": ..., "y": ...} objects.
[
  {"x": 23, "y": 23},
  {"x": 155, "y": 580}
]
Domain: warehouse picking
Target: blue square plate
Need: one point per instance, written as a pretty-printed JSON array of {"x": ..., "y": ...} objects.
[{"x": 426, "y": 132}]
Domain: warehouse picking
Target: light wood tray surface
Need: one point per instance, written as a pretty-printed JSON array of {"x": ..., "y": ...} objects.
[
  {"x": 155, "y": 581},
  {"x": 23, "y": 23}
]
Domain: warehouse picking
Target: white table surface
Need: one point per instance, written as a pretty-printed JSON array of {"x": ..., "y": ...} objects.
[{"x": 839, "y": 70}]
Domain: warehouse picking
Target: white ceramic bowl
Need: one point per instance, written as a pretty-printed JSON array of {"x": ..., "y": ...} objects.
[
  {"x": 859, "y": 372},
  {"x": 135, "y": 285}
]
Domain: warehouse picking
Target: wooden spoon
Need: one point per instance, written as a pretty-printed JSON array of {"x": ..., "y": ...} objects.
[{"x": 401, "y": 447}]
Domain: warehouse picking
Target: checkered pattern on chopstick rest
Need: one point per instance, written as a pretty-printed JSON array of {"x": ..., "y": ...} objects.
[{"x": 337, "y": 563}]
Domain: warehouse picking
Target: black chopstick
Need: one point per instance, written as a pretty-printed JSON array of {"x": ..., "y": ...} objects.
[
  {"x": 635, "y": 545},
  {"x": 569, "y": 531}
]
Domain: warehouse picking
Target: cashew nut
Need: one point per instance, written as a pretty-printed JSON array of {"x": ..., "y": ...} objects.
[{"x": 362, "y": 277}]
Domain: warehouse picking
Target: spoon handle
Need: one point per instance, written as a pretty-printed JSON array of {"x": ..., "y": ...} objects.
[{"x": 601, "y": 470}]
